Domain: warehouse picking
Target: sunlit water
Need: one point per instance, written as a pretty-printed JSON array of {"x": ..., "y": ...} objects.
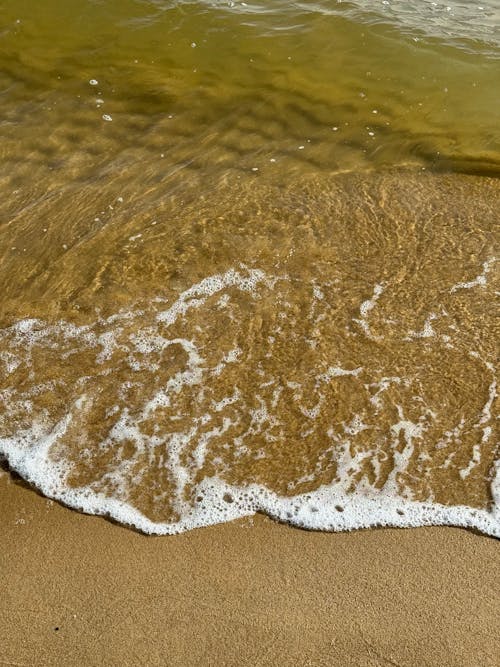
[{"x": 248, "y": 259}]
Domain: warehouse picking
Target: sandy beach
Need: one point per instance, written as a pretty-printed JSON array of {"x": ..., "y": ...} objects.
[
  {"x": 248, "y": 263},
  {"x": 80, "y": 590}
]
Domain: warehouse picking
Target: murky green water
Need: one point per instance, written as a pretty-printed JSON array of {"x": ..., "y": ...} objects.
[{"x": 335, "y": 86}]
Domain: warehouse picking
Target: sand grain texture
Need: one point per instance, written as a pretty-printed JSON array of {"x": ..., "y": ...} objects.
[{"x": 248, "y": 593}]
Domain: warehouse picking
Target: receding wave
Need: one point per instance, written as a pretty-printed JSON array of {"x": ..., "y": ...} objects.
[{"x": 335, "y": 372}]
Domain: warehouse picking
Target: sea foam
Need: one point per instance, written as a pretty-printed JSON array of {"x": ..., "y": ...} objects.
[{"x": 46, "y": 447}]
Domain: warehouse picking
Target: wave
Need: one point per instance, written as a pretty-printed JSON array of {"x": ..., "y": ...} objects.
[{"x": 240, "y": 397}]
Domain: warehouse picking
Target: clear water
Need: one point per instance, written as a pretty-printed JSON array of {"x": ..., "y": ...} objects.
[{"x": 248, "y": 259}]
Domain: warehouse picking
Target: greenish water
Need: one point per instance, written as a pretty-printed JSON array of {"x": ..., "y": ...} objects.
[{"x": 355, "y": 84}]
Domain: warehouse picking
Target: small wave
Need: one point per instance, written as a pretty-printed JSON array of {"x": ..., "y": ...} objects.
[{"x": 240, "y": 397}]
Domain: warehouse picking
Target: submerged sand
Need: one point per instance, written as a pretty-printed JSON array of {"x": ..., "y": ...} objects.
[
  {"x": 80, "y": 590},
  {"x": 256, "y": 345}
]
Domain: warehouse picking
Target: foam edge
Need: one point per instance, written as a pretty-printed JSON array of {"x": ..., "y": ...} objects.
[{"x": 324, "y": 509}]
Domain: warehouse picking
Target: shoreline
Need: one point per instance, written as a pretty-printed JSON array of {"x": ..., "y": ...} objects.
[
  {"x": 79, "y": 589},
  {"x": 339, "y": 512}
]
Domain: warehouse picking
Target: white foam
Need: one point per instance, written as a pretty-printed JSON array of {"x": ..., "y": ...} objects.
[
  {"x": 479, "y": 281},
  {"x": 365, "y": 308},
  {"x": 383, "y": 384},
  {"x": 427, "y": 331},
  {"x": 486, "y": 416},
  {"x": 327, "y": 508},
  {"x": 331, "y": 507},
  {"x": 475, "y": 460},
  {"x": 10, "y": 361},
  {"x": 410, "y": 431},
  {"x": 338, "y": 371},
  {"x": 227, "y": 400},
  {"x": 195, "y": 296},
  {"x": 451, "y": 435}
]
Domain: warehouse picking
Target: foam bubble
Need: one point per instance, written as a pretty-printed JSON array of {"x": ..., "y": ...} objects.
[
  {"x": 478, "y": 281},
  {"x": 199, "y": 409},
  {"x": 366, "y": 307},
  {"x": 327, "y": 508}
]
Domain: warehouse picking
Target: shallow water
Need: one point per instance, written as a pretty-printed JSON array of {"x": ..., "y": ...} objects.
[{"x": 248, "y": 260}]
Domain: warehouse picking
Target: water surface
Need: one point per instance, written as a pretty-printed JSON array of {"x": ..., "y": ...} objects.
[{"x": 248, "y": 259}]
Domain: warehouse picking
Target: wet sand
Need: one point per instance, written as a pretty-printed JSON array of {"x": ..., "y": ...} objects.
[{"x": 80, "y": 590}]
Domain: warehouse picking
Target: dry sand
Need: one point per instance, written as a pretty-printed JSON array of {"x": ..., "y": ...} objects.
[{"x": 79, "y": 590}]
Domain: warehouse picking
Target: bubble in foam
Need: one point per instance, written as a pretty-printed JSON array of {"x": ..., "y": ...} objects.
[{"x": 330, "y": 507}]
